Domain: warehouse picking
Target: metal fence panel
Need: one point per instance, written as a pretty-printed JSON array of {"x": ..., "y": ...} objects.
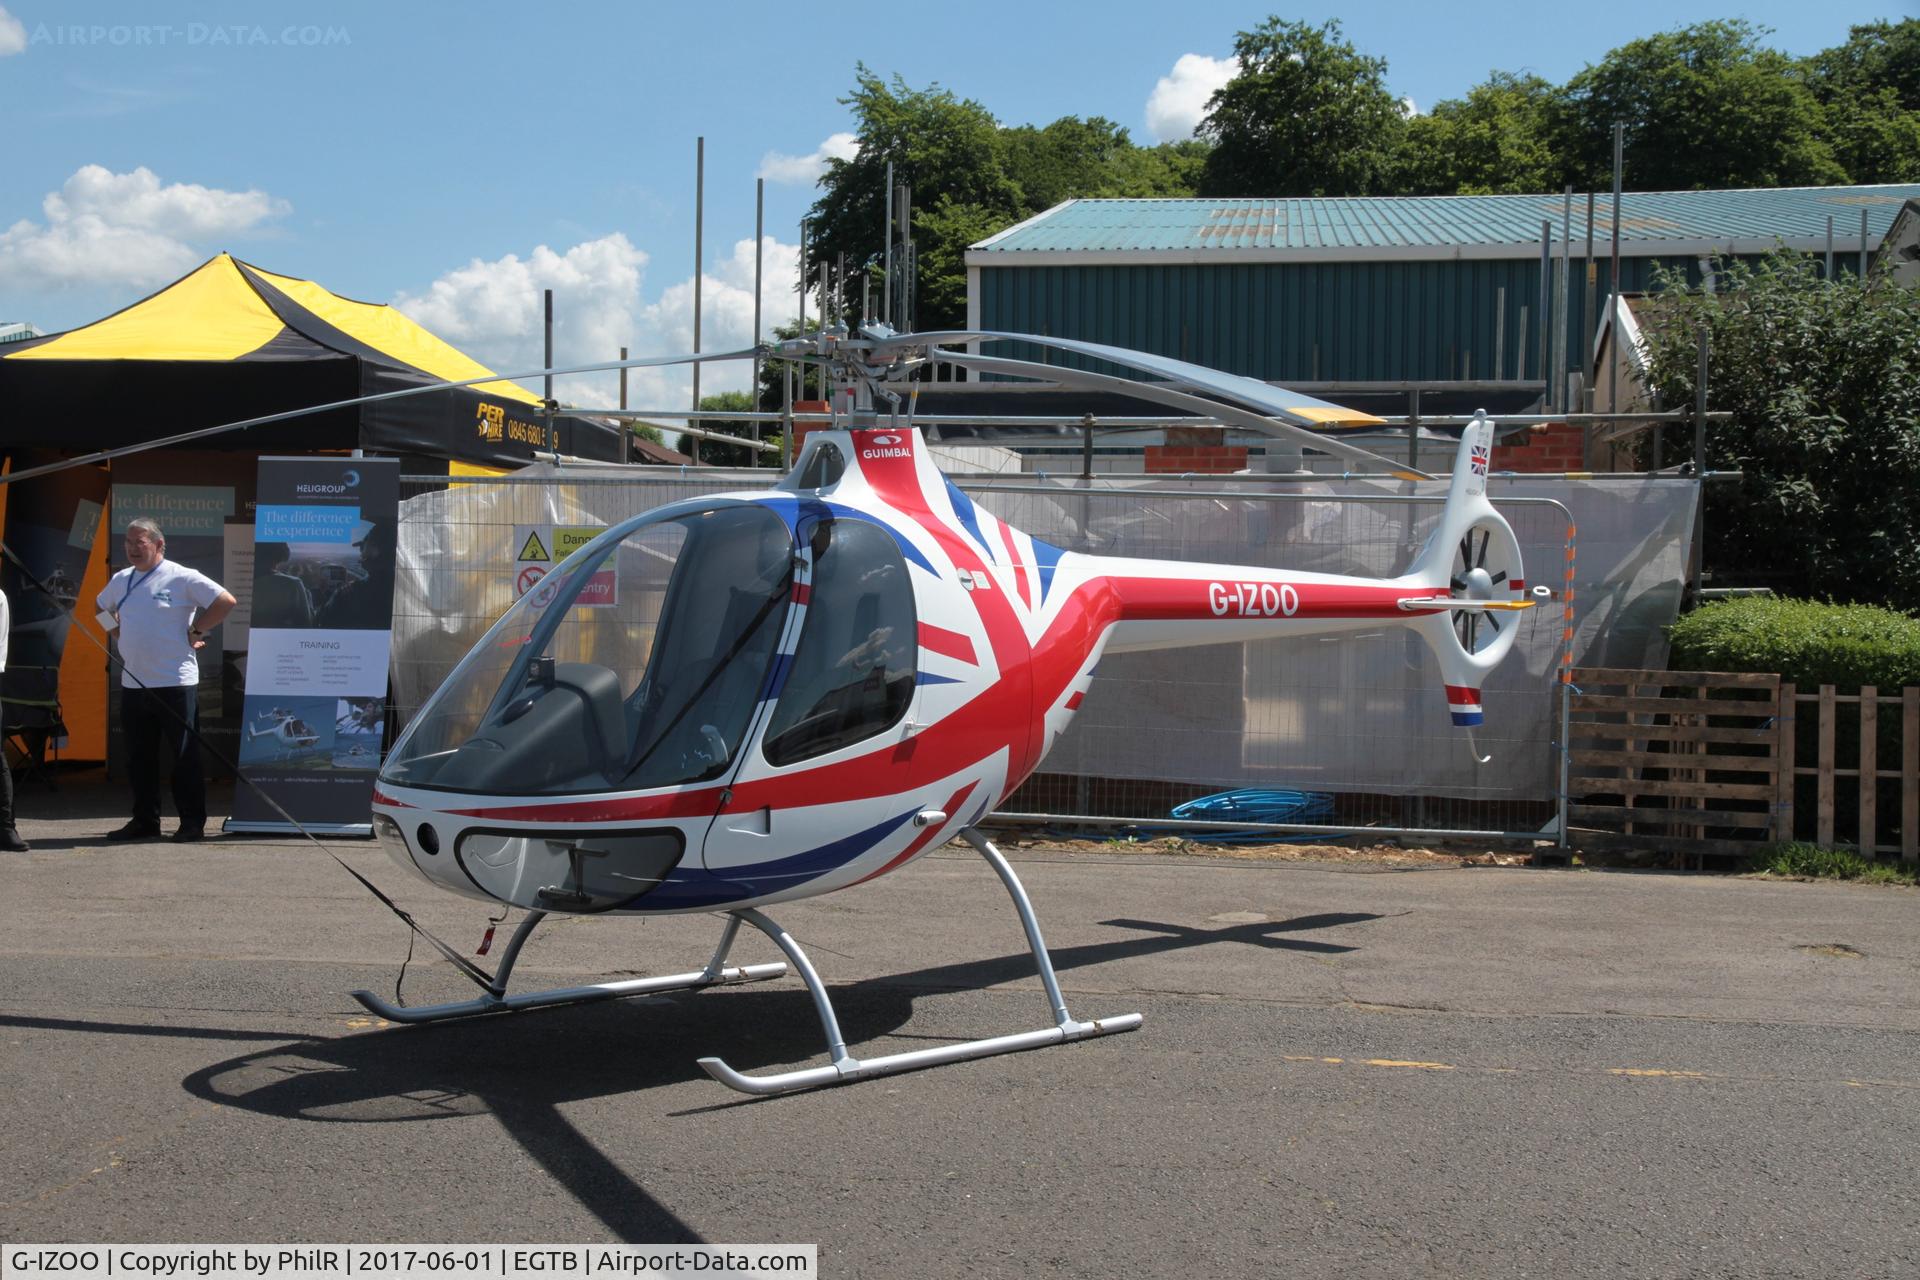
[{"x": 1357, "y": 715}]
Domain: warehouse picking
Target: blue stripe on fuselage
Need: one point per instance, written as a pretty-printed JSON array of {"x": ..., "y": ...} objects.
[
  {"x": 1046, "y": 558},
  {"x": 695, "y": 886},
  {"x": 970, "y": 519}
]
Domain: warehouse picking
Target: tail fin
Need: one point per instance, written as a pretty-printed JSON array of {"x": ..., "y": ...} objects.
[{"x": 1474, "y": 559}]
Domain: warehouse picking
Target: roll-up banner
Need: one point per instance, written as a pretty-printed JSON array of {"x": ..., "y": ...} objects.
[{"x": 321, "y": 624}]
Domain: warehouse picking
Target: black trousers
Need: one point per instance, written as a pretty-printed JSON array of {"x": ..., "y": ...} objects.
[{"x": 154, "y": 720}]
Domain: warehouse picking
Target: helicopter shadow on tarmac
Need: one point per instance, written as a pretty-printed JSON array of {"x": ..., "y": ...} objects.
[{"x": 522, "y": 1069}]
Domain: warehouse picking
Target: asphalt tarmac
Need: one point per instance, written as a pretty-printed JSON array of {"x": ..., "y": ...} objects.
[{"x": 1344, "y": 1070}]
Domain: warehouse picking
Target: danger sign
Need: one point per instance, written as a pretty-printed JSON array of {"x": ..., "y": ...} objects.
[{"x": 540, "y": 547}]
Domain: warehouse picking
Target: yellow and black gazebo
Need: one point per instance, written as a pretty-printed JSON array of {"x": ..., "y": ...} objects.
[
  {"x": 227, "y": 342},
  {"x": 231, "y": 341}
]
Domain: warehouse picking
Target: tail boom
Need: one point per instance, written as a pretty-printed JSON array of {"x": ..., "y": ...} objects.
[{"x": 1467, "y": 576}]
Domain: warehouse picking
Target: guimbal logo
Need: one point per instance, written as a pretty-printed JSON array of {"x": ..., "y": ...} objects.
[{"x": 886, "y": 447}]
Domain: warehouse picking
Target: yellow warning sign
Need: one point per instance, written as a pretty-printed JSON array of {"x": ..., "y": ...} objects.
[
  {"x": 531, "y": 548},
  {"x": 569, "y": 538}
]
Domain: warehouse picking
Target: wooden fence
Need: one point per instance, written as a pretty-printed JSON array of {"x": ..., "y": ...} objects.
[
  {"x": 1858, "y": 819},
  {"x": 1712, "y": 763}
]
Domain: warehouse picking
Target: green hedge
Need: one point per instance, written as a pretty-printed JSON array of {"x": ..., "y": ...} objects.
[{"x": 1804, "y": 641}]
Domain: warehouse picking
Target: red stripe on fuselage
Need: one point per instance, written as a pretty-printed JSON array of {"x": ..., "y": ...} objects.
[
  {"x": 1013, "y": 563},
  {"x": 948, "y": 644},
  {"x": 1461, "y": 696},
  {"x": 697, "y": 803},
  {"x": 1205, "y": 599}
]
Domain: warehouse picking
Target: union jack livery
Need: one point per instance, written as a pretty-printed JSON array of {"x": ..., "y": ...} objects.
[{"x": 807, "y": 687}]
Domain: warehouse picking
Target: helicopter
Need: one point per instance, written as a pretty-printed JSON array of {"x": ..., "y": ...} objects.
[
  {"x": 810, "y": 686},
  {"x": 288, "y": 731}
]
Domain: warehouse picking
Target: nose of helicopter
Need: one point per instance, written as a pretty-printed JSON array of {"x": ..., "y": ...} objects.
[{"x": 545, "y": 867}]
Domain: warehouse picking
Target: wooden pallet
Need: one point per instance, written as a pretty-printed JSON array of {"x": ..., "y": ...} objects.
[{"x": 1679, "y": 761}]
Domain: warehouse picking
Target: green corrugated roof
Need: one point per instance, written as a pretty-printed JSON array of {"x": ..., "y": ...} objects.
[{"x": 1424, "y": 226}]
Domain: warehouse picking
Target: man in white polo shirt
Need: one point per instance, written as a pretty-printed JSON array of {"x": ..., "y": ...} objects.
[{"x": 164, "y": 612}]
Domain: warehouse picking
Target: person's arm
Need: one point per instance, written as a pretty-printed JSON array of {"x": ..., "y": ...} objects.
[{"x": 210, "y": 617}]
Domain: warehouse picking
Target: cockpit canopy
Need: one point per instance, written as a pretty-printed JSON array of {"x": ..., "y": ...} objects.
[{"x": 640, "y": 661}]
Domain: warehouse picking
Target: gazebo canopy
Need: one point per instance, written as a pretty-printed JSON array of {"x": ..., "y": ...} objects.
[{"x": 230, "y": 341}]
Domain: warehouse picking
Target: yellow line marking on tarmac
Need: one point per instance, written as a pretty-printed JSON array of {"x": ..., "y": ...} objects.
[
  {"x": 1635, "y": 1073},
  {"x": 1417, "y": 1066}
]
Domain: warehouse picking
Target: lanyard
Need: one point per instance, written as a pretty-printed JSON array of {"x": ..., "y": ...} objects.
[{"x": 133, "y": 582}]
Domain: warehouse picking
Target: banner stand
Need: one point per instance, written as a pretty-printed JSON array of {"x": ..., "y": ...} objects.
[{"x": 319, "y": 635}]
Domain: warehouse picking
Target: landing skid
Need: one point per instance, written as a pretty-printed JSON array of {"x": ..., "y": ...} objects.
[
  {"x": 844, "y": 1067},
  {"x": 498, "y": 1001}
]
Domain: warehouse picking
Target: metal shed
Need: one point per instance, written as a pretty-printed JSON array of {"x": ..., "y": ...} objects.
[{"x": 1379, "y": 289}]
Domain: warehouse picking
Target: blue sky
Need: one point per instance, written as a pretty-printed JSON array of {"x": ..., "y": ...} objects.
[{"x": 456, "y": 158}]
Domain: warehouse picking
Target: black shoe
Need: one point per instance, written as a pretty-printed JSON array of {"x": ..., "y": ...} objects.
[
  {"x": 136, "y": 830},
  {"x": 189, "y": 835},
  {"x": 11, "y": 842}
]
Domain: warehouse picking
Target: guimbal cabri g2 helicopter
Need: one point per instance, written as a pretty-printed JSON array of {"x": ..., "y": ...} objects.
[{"x": 815, "y": 684}]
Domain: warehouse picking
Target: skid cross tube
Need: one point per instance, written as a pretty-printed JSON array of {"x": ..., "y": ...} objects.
[
  {"x": 843, "y": 1067},
  {"x": 498, "y": 1001}
]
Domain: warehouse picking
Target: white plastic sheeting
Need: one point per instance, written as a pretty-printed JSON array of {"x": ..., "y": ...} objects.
[{"x": 1351, "y": 713}]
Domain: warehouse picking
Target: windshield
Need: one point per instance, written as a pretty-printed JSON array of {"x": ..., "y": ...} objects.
[{"x": 636, "y": 663}]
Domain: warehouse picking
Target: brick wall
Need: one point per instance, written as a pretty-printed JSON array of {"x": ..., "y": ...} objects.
[
  {"x": 1553, "y": 447},
  {"x": 801, "y": 430},
  {"x": 1202, "y": 450}
]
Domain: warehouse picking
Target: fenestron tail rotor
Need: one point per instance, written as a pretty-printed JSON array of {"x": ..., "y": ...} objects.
[{"x": 1485, "y": 576}]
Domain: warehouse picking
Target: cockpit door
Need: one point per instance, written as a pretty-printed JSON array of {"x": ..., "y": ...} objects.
[{"x": 829, "y": 773}]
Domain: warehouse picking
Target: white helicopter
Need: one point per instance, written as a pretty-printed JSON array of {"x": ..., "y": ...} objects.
[
  {"x": 288, "y": 731},
  {"x": 812, "y": 685}
]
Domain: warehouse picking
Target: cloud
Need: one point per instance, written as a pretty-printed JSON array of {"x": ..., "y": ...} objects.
[
  {"x": 1179, "y": 101},
  {"x": 106, "y": 228},
  {"x": 806, "y": 170},
  {"x": 13, "y": 36},
  {"x": 492, "y": 310}
]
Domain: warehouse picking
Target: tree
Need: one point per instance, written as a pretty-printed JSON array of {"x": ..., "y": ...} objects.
[
  {"x": 807, "y": 384},
  {"x": 1823, "y": 380},
  {"x": 969, "y": 178},
  {"x": 1869, "y": 88},
  {"x": 1169, "y": 171},
  {"x": 1074, "y": 159},
  {"x": 1308, "y": 115},
  {"x": 940, "y": 146},
  {"x": 1704, "y": 107},
  {"x": 718, "y": 453},
  {"x": 1497, "y": 140},
  {"x": 1878, "y": 56}
]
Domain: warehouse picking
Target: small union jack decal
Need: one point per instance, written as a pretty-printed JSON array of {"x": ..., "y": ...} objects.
[{"x": 1478, "y": 459}]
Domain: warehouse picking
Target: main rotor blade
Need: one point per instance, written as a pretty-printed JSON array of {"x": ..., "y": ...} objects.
[
  {"x": 1301, "y": 410},
  {"x": 1160, "y": 393},
  {"x": 106, "y": 455}
]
